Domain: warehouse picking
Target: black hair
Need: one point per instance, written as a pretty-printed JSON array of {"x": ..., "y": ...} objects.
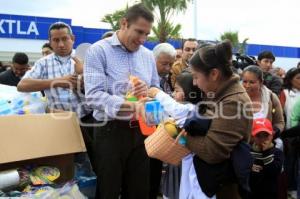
[
  {"x": 298, "y": 65},
  {"x": 60, "y": 25},
  {"x": 192, "y": 93},
  {"x": 266, "y": 55},
  {"x": 20, "y": 58},
  {"x": 256, "y": 71},
  {"x": 287, "y": 81},
  {"x": 138, "y": 10},
  {"x": 47, "y": 45},
  {"x": 189, "y": 39},
  {"x": 210, "y": 56}
]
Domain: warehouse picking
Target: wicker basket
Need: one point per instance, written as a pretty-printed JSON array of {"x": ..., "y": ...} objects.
[{"x": 162, "y": 146}]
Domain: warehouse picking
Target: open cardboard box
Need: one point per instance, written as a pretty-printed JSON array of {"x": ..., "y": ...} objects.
[{"x": 49, "y": 139}]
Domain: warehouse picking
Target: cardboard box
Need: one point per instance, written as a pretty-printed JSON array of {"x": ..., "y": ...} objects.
[{"x": 42, "y": 139}]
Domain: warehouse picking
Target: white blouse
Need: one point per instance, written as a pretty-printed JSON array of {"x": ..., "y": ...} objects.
[{"x": 173, "y": 108}]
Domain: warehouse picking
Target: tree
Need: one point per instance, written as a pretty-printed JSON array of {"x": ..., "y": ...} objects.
[
  {"x": 233, "y": 37},
  {"x": 243, "y": 45},
  {"x": 114, "y": 18},
  {"x": 165, "y": 29}
]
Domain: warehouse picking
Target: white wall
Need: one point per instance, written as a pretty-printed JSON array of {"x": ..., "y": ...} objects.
[
  {"x": 21, "y": 45},
  {"x": 8, "y": 47},
  {"x": 286, "y": 63}
]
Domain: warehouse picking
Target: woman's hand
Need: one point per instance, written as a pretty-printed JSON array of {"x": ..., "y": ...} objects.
[
  {"x": 152, "y": 92},
  {"x": 184, "y": 133}
]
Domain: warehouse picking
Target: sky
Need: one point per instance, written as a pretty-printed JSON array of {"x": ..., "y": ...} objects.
[{"x": 271, "y": 22}]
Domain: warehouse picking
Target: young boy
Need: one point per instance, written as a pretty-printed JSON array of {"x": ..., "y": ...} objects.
[{"x": 267, "y": 161}]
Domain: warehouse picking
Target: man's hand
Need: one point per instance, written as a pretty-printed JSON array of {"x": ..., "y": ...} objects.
[
  {"x": 78, "y": 65},
  {"x": 68, "y": 81},
  {"x": 139, "y": 89}
]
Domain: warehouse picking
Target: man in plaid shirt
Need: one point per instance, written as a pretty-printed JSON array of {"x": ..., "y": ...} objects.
[{"x": 55, "y": 75}]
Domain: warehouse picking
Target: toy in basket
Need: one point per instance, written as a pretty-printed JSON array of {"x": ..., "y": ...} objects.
[{"x": 162, "y": 145}]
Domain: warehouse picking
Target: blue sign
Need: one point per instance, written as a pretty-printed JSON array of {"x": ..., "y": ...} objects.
[
  {"x": 31, "y": 27},
  {"x": 28, "y": 27}
]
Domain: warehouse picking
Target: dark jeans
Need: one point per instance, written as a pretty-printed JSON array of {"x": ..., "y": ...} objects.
[{"x": 121, "y": 161}]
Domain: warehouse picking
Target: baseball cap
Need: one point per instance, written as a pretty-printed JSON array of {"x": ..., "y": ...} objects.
[{"x": 262, "y": 125}]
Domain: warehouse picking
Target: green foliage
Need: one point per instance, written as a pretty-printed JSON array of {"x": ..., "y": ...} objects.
[
  {"x": 166, "y": 9},
  {"x": 233, "y": 37},
  {"x": 114, "y": 18},
  {"x": 165, "y": 28}
]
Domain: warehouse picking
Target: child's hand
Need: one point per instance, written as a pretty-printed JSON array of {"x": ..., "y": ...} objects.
[
  {"x": 152, "y": 92},
  {"x": 256, "y": 168},
  {"x": 140, "y": 107}
]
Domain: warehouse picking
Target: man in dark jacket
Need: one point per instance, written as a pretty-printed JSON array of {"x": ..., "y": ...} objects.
[
  {"x": 12, "y": 76},
  {"x": 2, "y": 68},
  {"x": 265, "y": 60}
]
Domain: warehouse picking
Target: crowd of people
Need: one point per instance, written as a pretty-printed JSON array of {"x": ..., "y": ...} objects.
[{"x": 246, "y": 141}]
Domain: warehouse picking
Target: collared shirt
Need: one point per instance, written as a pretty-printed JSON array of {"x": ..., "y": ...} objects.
[
  {"x": 53, "y": 66},
  {"x": 107, "y": 68},
  {"x": 175, "y": 109}
]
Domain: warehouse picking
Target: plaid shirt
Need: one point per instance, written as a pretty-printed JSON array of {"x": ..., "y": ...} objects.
[
  {"x": 107, "y": 68},
  {"x": 53, "y": 66}
]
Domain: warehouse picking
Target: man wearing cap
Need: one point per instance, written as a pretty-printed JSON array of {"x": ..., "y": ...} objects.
[{"x": 267, "y": 161}]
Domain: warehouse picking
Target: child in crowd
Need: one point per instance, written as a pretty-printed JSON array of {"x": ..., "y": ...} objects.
[
  {"x": 185, "y": 96},
  {"x": 268, "y": 161}
]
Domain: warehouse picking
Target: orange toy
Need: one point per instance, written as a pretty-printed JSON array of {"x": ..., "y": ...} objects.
[{"x": 145, "y": 129}]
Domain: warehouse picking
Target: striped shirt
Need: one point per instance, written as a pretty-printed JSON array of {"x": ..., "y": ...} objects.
[
  {"x": 54, "y": 66},
  {"x": 107, "y": 68}
]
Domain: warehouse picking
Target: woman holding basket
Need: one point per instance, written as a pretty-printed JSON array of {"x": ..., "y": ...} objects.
[{"x": 229, "y": 107}]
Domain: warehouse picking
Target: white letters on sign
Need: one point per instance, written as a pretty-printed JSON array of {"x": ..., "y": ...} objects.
[{"x": 16, "y": 27}]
